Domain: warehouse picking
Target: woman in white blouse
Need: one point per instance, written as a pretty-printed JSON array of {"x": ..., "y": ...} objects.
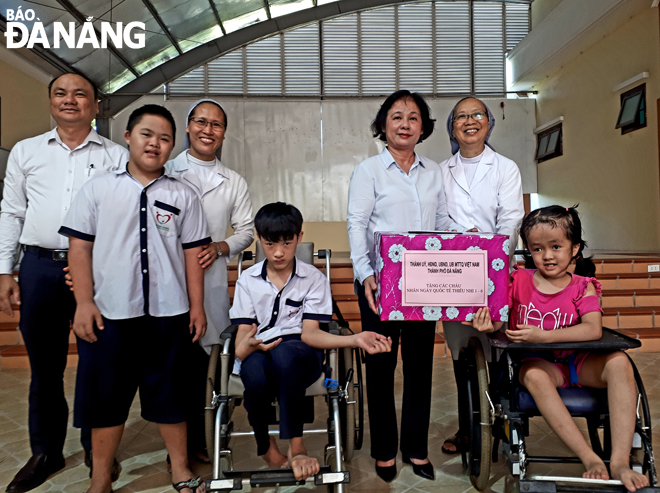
[
  {"x": 225, "y": 200},
  {"x": 484, "y": 193},
  {"x": 396, "y": 191}
]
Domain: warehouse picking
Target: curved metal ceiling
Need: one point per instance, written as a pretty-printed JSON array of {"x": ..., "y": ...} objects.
[{"x": 179, "y": 36}]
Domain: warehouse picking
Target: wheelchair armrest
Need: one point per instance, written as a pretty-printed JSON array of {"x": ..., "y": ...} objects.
[
  {"x": 610, "y": 340},
  {"x": 333, "y": 328},
  {"x": 229, "y": 332},
  {"x": 247, "y": 255}
]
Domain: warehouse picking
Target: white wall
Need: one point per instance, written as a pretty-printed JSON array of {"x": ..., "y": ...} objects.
[
  {"x": 614, "y": 177},
  {"x": 304, "y": 152}
]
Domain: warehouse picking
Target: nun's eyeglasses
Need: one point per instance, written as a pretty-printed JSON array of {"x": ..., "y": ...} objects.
[
  {"x": 202, "y": 123},
  {"x": 476, "y": 116}
]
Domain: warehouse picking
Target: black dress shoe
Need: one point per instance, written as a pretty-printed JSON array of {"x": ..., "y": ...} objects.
[
  {"x": 114, "y": 472},
  {"x": 426, "y": 471},
  {"x": 386, "y": 473},
  {"x": 35, "y": 472}
]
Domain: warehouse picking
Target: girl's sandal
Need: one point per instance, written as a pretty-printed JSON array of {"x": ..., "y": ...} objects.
[
  {"x": 191, "y": 484},
  {"x": 459, "y": 442}
]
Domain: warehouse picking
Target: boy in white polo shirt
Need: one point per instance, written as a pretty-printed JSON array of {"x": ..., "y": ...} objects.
[
  {"x": 134, "y": 239},
  {"x": 278, "y": 304}
]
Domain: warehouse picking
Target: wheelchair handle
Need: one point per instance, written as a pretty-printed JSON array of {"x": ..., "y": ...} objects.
[{"x": 327, "y": 253}]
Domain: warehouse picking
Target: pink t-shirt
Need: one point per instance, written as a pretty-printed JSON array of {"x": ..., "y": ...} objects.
[{"x": 555, "y": 311}]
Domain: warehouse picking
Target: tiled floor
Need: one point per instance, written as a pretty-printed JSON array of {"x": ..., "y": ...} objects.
[{"x": 142, "y": 454}]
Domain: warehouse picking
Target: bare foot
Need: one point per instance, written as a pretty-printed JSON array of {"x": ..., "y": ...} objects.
[
  {"x": 386, "y": 463},
  {"x": 595, "y": 469},
  {"x": 274, "y": 458},
  {"x": 631, "y": 480},
  {"x": 419, "y": 462}
]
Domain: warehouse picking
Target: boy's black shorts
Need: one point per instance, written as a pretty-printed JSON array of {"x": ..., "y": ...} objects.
[{"x": 146, "y": 353}]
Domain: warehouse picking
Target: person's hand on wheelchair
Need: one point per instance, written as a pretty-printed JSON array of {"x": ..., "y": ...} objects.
[
  {"x": 482, "y": 321},
  {"x": 529, "y": 334},
  {"x": 248, "y": 344},
  {"x": 373, "y": 343}
]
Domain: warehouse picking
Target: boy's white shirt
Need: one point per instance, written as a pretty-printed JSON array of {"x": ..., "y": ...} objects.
[
  {"x": 136, "y": 246},
  {"x": 277, "y": 313}
]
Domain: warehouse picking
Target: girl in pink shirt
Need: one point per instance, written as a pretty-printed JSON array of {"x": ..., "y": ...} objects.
[{"x": 551, "y": 305}]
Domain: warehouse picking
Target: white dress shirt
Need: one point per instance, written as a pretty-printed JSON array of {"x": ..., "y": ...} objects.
[
  {"x": 43, "y": 177},
  {"x": 226, "y": 201},
  {"x": 493, "y": 202},
  {"x": 382, "y": 197},
  {"x": 279, "y": 312},
  {"x": 139, "y": 235}
]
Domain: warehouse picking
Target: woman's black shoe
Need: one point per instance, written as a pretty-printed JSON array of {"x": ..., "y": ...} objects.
[
  {"x": 386, "y": 473},
  {"x": 426, "y": 471}
]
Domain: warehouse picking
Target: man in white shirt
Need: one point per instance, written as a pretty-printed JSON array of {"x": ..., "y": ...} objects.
[{"x": 44, "y": 173}]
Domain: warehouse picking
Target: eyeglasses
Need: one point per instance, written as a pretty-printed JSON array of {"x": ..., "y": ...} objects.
[
  {"x": 202, "y": 123},
  {"x": 476, "y": 116}
]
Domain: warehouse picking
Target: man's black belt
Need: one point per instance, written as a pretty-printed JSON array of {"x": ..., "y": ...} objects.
[{"x": 58, "y": 255}]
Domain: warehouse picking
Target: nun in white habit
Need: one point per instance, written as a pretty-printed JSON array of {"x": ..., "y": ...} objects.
[{"x": 226, "y": 201}]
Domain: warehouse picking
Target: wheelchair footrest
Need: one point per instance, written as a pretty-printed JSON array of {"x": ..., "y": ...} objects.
[
  {"x": 260, "y": 478},
  {"x": 556, "y": 484}
]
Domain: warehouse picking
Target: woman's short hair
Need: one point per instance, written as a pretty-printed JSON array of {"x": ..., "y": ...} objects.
[{"x": 428, "y": 123}]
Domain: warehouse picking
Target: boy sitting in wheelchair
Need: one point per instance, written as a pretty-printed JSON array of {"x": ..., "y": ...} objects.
[
  {"x": 278, "y": 305},
  {"x": 551, "y": 298}
]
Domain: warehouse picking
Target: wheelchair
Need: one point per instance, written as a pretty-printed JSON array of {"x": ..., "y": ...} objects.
[
  {"x": 340, "y": 384},
  {"x": 499, "y": 408}
]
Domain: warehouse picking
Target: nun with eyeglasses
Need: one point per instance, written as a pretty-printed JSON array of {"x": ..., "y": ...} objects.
[
  {"x": 483, "y": 191},
  {"x": 226, "y": 202}
]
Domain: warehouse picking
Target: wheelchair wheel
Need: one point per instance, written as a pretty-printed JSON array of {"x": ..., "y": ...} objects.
[
  {"x": 346, "y": 409},
  {"x": 359, "y": 432},
  {"x": 643, "y": 450},
  {"x": 479, "y": 417}
]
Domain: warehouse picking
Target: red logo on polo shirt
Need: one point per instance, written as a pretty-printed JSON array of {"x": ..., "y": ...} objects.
[{"x": 163, "y": 218}]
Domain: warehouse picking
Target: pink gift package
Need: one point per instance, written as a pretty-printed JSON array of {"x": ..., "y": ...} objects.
[{"x": 441, "y": 275}]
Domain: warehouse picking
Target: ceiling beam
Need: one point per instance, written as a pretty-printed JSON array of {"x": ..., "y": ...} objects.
[
  {"x": 78, "y": 16},
  {"x": 45, "y": 54},
  {"x": 176, "y": 67},
  {"x": 217, "y": 17},
  {"x": 152, "y": 10}
]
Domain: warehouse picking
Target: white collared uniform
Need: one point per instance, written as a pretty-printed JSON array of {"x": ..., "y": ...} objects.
[
  {"x": 381, "y": 197},
  {"x": 225, "y": 200},
  {"x": 493, "y": 202},
  {"x": 139, "y": 235},
  {"x": 306, "y": 295},
  {"x": 43, "y": 177}
]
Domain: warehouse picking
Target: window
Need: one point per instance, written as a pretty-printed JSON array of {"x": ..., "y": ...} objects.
[
  {"x": 632, "y": 114},
  {"x": 549, "y": 144},
  {"x": 440, "y": 48}
]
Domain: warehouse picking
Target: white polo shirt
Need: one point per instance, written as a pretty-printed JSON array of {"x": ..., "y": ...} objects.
[
  {"x": 43, "y": 177},
  {"x": 139, "y": 235},
  {"x": 306, "y": 295}
]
